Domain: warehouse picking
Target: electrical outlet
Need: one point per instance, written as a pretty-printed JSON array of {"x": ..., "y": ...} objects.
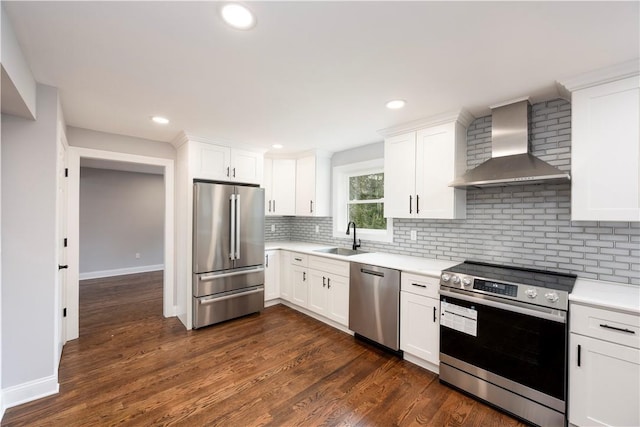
[
  {"x": 317, "y": 228},
  {"x": 137, "y": 255},
  {"x": 414, "y": 235},
  {"x": 273, "y": 227}
]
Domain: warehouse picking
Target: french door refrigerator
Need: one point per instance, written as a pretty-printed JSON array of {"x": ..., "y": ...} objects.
[{"x": 228, "y": 251}]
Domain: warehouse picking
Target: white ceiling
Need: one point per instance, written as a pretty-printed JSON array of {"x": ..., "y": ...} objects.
[{"x": 310, "y": 74}]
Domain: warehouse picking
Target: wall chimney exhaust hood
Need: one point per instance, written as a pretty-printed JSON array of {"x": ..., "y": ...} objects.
[{"x": 510, "y": 162}]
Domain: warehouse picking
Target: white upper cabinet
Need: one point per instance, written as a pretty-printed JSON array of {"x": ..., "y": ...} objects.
[
  {"x": 399, "y": 175},
  {"x": 605, "y": 152},
  {"x": 313, "y": 174},
  {"x": 420, "y": 164},
  {"x": 280, "y": 186},
  {"x": 219, "y": 163}
]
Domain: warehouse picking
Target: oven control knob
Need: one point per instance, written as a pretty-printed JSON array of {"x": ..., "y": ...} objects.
[
  {"x": 445, "y": 277},
  {"x": 552, "y": 296},
  {"x": 455, "y": 280},
  {"x": 531, "y": 293},
  {"x": 466, "y": 281}
]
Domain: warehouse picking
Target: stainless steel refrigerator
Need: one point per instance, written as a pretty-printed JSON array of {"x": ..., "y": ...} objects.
[{"x": 228, "y": 252}]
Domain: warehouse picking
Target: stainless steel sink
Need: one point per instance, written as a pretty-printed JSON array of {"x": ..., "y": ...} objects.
[{"x": 341, "y": 251}]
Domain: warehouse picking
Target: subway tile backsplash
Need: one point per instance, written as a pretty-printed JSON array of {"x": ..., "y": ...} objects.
[{"x": 523, "y": 225}]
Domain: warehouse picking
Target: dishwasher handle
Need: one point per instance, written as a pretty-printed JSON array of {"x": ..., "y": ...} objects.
[{"x": 372, "y": 272}]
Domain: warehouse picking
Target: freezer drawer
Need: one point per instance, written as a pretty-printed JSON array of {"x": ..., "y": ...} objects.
[
  {"x": 218, "y": 308},
  {"x": 224, "y": 281}
]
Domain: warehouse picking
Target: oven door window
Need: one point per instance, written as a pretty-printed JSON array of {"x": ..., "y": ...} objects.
[{"x": 525, "y": 349}]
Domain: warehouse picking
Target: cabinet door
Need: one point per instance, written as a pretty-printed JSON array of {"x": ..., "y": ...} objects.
[
  {"x": 246, "y": 166},
  {"x": 305, "y": 185},
  {"x": 338, "y": 304},
  {"x": 271, "y": 275},
  {"x": 318, "y": 292},
  {"x": 419, "y": 326},
  {"x": 286, "y": 276},
  {"x": 284, "y": 187},
  {"x": 436, "y": 152},
  {"x": 399, "y": 176},
  {"x": 605, "y": 152},
  {"x": 603, "y": 388},
  {"x": 211, "y": 161},
  {"x": 300, "y": 285},
  {"x": 267, "y": 184}
]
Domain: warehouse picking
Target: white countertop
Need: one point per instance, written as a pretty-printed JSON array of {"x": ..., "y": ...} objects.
[
  {"x": 426, "y": 266},
  {"x": 607, "y": 295}
]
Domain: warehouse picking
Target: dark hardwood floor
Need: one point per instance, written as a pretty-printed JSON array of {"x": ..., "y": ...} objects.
[{"x": 131, "y": 366}]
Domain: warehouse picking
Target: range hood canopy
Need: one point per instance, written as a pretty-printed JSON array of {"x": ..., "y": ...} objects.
[{"x": 510, "y": 162}]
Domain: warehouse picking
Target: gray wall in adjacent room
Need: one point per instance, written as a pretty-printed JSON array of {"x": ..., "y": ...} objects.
[
  {"x": 29, "y": 269},
  {"x": 525, "y": 225},
  {"x": 121, "y": 214}
]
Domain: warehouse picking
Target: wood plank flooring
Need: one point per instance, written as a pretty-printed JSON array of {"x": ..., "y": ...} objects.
[{"x": 133, "y": 367}]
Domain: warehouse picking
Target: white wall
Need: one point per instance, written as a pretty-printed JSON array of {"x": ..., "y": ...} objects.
[
  {"x": 18, "y": 84},
  {"x": 79, "y": 137},
  {"x": 359, "y": 154},
  {"x": 29, "y": 269},
  {"x": 121, "y": 214},
  {"x": 1, "y": 401}
]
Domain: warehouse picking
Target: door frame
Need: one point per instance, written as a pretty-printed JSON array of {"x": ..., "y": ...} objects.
[{"x": 73, "y": 229}]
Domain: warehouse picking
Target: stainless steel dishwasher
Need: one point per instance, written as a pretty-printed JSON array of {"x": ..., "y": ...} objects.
[{"x": 374, "y": 304}]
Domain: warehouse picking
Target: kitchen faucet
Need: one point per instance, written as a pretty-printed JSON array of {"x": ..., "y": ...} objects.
[{"x": 355, "y": 245}]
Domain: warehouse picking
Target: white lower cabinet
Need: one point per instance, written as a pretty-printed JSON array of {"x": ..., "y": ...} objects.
[
  {"x": 604, "y": 367},
  {"x": 271, "y": 275},
  {"x": 300, "y": 284},
  {"x": 285, "y": 276},
  {"x": 299, "y": 279},
  {"x": 419, "y": 320},
  {"x": 318, "y": 284},
  {"x": 329, "y": 296}
]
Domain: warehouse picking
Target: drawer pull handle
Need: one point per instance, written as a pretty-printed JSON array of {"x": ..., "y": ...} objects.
[
  {"x": 629, "y": 331},
  {"x": 298, "y": 259},
  {"x": 418, "y": 285},
  {"x": 434, "y": 315},
  {"x": 579, "y": 351}
]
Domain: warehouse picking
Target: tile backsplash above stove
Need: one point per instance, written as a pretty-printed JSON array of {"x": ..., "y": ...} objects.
[{"x": 522, "y": 225}]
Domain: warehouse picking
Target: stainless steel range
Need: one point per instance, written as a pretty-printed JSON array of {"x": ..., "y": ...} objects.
[{"x": 503, "y": 338}]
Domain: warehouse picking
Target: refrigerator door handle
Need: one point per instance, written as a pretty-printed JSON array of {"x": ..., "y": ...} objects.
[
  {"x": 232, "y": 228},
  {"x": 208, "y": 277},
  {"x": 237, "y": 221}
]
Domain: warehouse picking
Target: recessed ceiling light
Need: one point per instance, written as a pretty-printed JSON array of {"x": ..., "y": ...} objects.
[
  {"x": 277, "y": 146},
  {"x": 160, "y": 120},
  {"x": 395, "y": 104},
  {"x": 238, "y": 16}
]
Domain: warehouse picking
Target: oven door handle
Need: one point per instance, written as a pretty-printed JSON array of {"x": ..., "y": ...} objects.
[{"x": 540, "y": 312}]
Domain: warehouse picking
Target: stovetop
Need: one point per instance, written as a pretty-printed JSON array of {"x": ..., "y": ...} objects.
[
  {"x": 523, "y": 276},
  {"x": 524, "y": 285}
]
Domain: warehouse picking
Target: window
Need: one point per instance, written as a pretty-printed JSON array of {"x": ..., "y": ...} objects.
[
  {"x": 366, "y": 200},
  {"x": 358, "y": 191}
]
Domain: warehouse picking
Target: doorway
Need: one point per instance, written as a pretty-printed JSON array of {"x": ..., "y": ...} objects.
[{"x": 76, "y": 155}]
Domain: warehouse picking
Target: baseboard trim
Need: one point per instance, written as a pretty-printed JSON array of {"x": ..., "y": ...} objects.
[
  {"x": 120, "y": 271},
  {"x": 29, "y": 391},
  {"x": 422, "y": 363},
  {"x": 316, "y": 316}
]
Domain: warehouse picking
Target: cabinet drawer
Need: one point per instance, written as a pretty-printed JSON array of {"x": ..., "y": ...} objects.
[
  {"x": 419, "y": 285},
  {"x": 612, "y": 326},
  {"x": 341, "y": 268},
  {"x": 299, "y": 259}
]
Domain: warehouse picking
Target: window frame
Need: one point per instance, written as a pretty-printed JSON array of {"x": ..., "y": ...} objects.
[{"x": 341, "y": 175}]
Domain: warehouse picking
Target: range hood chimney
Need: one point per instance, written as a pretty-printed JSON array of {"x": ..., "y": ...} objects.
[{"x": 510, "y": 162}]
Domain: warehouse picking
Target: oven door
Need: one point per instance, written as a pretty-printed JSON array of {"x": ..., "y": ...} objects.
[{"x": 519, "y": 347}]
